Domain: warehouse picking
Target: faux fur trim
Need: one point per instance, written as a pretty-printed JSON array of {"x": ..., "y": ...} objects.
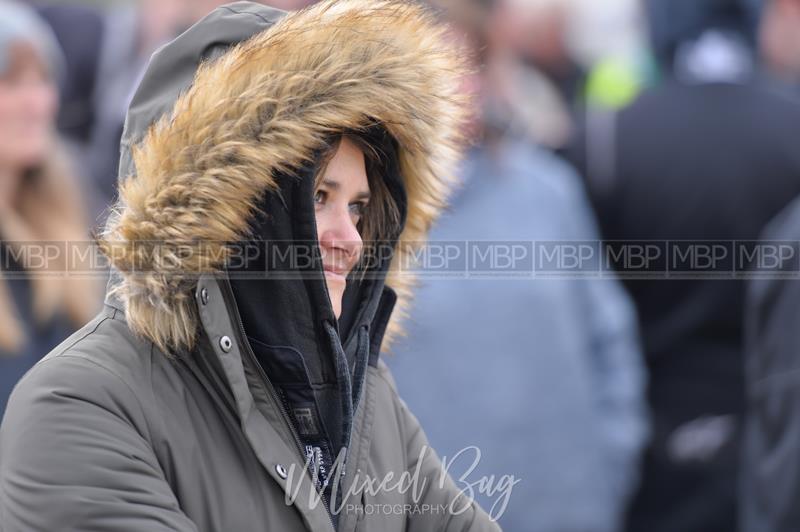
[{"x": 264, "y": 107}]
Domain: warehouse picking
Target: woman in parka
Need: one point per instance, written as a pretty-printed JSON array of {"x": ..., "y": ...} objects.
[{"x": 233, "y": 381}]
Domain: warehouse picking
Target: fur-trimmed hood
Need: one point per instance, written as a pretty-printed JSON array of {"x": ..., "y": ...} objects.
[{"x": 201, "y": 145}]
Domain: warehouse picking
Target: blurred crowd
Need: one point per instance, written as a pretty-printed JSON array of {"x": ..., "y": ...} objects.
[{"x": 628, "y": 403}]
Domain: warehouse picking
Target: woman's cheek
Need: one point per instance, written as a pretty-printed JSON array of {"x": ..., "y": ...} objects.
[
  {"x": 10, "y": 111},
  {"x": 27, "y": 117}
]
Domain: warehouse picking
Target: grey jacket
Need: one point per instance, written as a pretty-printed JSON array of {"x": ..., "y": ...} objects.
[
  {"x": 157, "y": 415},
  {"x": 769, "y": 484}
]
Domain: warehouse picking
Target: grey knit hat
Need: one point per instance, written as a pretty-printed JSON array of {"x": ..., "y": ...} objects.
[{"x": 20, "y": 23}]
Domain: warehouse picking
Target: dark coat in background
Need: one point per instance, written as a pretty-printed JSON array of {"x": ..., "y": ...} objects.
[
  {"x": 770, "y": 483},
  {"x": 698, "y": 161}
]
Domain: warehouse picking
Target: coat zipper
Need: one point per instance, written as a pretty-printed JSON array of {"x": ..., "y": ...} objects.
[
  {"x": 355, "y": 416},
  {"x": 271, "y": 390}
]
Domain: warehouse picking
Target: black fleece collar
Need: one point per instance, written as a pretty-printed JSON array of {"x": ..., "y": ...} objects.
[{"x": 280, "y": 288}]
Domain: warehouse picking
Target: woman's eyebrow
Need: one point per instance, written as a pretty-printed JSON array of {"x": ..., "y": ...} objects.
[
  {"x": 335, "y": 186},
  {"x": 331, "y": 184}
]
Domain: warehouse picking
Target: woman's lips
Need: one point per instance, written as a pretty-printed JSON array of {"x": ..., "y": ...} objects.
[{"x": 334, "y": 275}]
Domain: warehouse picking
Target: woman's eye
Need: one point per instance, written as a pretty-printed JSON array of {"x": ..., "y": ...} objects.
[
  {"x": 358, "y": 208},
  {"x": 320, "y": 196}
]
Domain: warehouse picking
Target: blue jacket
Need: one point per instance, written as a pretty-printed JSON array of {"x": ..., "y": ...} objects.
[{"x": 544, "y": 376}]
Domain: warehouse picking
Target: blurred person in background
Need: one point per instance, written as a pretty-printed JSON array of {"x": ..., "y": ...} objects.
[
  {"x": 770, "y": 483},
  {"x": 553, "y": 57},
  {"x": 537, "y": 31},
  {"x": 536, "y": 80},
  {"x": 78, "y": 29},
  {"x": 710, "y": 154},
  {"x": 106, "y": 53},
  {"x": 609, "y": 39},
  {"x": 780, "y": 39},
  {"x": 543, "y": 376},
  {"x": 40, "y": 201}
]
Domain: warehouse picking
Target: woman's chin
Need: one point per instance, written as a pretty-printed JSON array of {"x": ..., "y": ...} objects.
[{"x": 336, "y": 292}]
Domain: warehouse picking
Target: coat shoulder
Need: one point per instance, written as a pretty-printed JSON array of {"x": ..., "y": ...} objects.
[
  {"x": 102, "y": 363},
  {"x": 385, "y": 377}
]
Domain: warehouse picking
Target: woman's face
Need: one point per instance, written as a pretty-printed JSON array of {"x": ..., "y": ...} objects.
[
  {"x": 340, "y": 199},
  {"x": 28, "y": 103}
]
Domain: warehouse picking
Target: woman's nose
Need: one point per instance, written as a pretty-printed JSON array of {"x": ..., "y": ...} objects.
[{"x": 340, "y": 232}]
